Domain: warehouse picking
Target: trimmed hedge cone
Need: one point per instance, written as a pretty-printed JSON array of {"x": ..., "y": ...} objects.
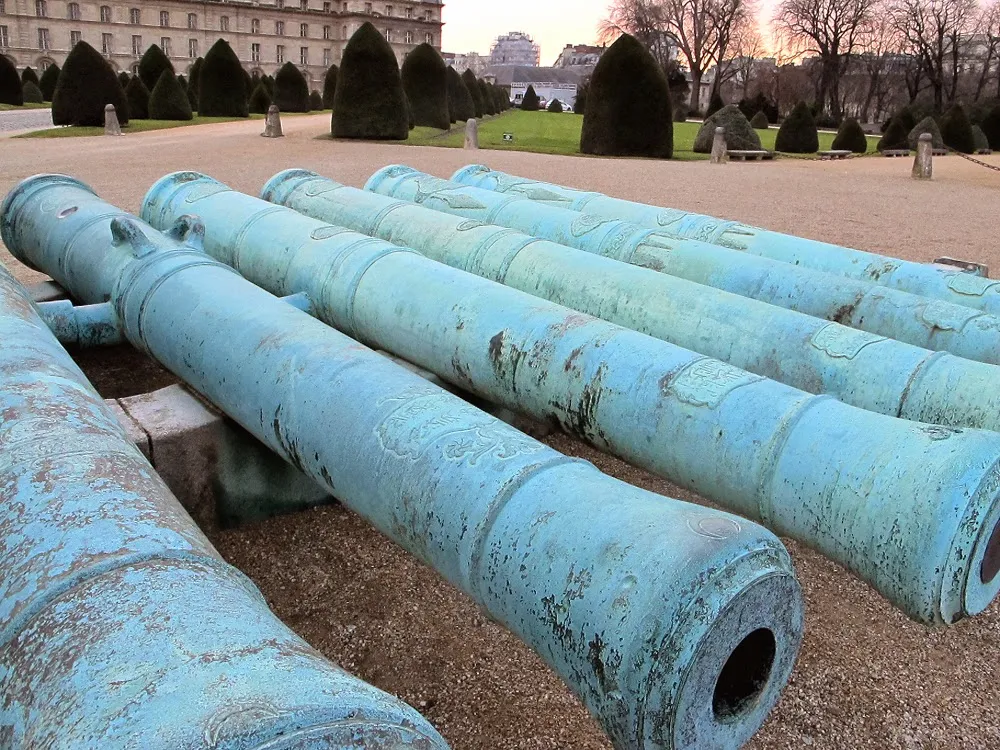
[
  {"x": 850, "y": 137},
  {"x": 222, "y": 88},
  {"x": 138, "y": 99},
  {"x": 956, "y": 130},
  {"x": 11, "y": 91},
  {"x": 460, "y": 104},
  {"x": 50, "y": 77},
  {"x": 740, "y": 135},
  {"x": 152, "y": 65},
  {"x": 798, "y": 134},
  {"x": 330, "y": 86},
  {"x": 370, "y": 102},
  {"x": 168, "y": 100},
  {"x": 260, "y": 100},
  {"x": 291, "y": 92},
  {"x": 927, "y": 125},
  {"x": 530, "y": 101},
  {"x": 489, "y": 104},
  {"x": 472, "y": 86},
  {"x": 628, "y": 105},
  {"x": 87, "y": 84},
  {"x": 425, "y": 80}
]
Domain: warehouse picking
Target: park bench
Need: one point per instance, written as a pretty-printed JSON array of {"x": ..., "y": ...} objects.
[
  {"x": 837, "y": 153},
  {"x": 750, "y": 155}
]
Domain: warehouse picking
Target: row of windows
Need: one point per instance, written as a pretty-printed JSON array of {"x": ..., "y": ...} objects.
[
  {"x": 135, "y": 15},
  {"x": 279, "y": 55}
]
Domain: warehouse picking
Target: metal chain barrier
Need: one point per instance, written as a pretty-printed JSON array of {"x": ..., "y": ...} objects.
[{"x": 994, "y": 167}]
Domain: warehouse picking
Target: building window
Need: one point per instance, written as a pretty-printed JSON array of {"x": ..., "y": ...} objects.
[
  {"x": 279, "y": 28},
  {"x": 224, "y": 23},
  {"x": 135, "y": 69},
  {"x": 41, "y": 8},
  {"x": 4, "y": 38},
  {"x": 279, "y": 53},
  {"x": 343, "y": 31},
  {"x": 254, "y": 25},
  {"x": 255, "y": 52},
  {"x": 303, "y": 30},
  {"x": 73, "y": 11},
  {"x": 107, "y": 45},
  {"x": 135, "y": 16},
  {"x": 409, "y": 37},
  {"x": 192, "y": 21},
  {"x": 3, "y": 6},
  {"x": 304, "y": 55},
  {"x": 165, "y": 45},
  {"x": 345, "y": 6},
  {"x": 327, "y": 7},
  {"x": 74, "y": 38},
  {"x": 327, "y": 32},
  {"x": 368, "y": 7},
  {"x": 43, "y": 39},
  {"x": 388, "y": 10},
  {"x": 409, "y": 12},
  {"x": 304, "y": 4},
  {"x": 193, "y": 48},
  {"x": 137, "y": 45},
  {"x": 327, "y": 58},
  {"x": 164, "y": 19},
  {"x": 280, "y": 4},
  {"x": 388, "y": 35},
  {"x": 105, "y": 14},
  {"x": 429, "y": 38}
]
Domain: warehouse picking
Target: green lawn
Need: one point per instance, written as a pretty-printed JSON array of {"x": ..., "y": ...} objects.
[
  {"x": 141, "y": 126},
  {"x": 30, "y": 105},
  {"x": 549, "y": 133}
]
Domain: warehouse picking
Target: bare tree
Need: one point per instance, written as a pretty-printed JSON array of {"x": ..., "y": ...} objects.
[
  {"x": 879, "y": 44},
  {"x": 933, "y": 31},
  {"x": 986, "y": 48},
  {"x": 703, "y": 30},
  {"x": 744, "y": 50},
  {"x": 829, "y": 29}
]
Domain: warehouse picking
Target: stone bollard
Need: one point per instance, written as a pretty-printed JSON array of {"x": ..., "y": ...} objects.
[
  {"x": 719, "y": 155},
  {"x": 111, "y": 126},
  {"x": 272, "y": 123},
  {"x": 472, "y": 133},
  {"x": 923, "y": 167}
]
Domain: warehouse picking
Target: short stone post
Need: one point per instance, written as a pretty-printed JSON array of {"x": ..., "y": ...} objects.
[
  {"x": 272, "y": 123},
  {"x": 719, "y": 154},
  {"x": 922, "y": 163},
  {"x": 111, "y": 126},
  {"x": 472, "y": 133}
]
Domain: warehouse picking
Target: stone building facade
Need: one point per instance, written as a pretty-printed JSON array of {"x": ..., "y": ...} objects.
[
  {"x": 515, "y": 48},
  {"x": 265, "y": 34}
]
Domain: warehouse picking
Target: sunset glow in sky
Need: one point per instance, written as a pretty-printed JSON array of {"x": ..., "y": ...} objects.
[{"x": 471, "y": 25}]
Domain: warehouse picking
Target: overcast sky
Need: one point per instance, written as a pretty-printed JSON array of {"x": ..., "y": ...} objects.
[{"x": 471, "y": 25}]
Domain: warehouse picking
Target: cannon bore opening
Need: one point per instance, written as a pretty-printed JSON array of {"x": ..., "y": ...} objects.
[
  {"x": 744, "y": 675},
  {"x": 991, "y": 559}
]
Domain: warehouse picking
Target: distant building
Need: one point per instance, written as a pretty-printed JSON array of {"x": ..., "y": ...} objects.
[
  {"x": 582, "y": 58},
  {"x": 549, "y": 83},
  {"x": 264, "y": 34},
  {"x": 468, "y": 61},
  {"x": 515, "y": 48}
]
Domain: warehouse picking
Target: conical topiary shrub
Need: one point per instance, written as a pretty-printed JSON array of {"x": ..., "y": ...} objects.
[
  {"x": 740, "y": 135},
  {"x": 460, "y": 105},
  {"x": 979, "y": 139},
  {"x": 714, "y": 104},
  {"x": 489, "y": 106},
  {"x": 194, "y": 76},
  {"x": 370, "y": 102},
  {"x": 152, "y": 65},
  {"x": 555, "y": 106},
  {"x": 582, "y": 91},
  {"x": 222, "y": 88},
  {"x": 956, "y": 130},
  {"x": 138, "y": 99},
  {"x": 500, "y": 98},
  {"x": 123, "y": 79},
  {"x": 31, "y": 93},
  {"x": 425, "y": 80},
  {"x": 29, "y": 76},
  {"x": 291, "y": 92},
  {"x": 759, "y": 121},
  {"x": 330, "y": 86},
  {"x": 11, "y": 91},
  {"x": 628, "y": 105},
  {"x": 315, "y": 101},
  {"x": 86, "y": 85},
  {"x": 894, "y": 137},
  {"x": 472, "y": 86},
  {"x": 268, "y": 82},
  {"x": 797, "y": 134},
  {"x": 530, "y": 101},
  {"x": 49, "y": 79},
  {"x": 991, "y": 127},
  {"x": 850, "y": 137},
  {"x": 927, "y": 125},
  {"x": 168, "y": 100},
  {"x": 260, "y": 100}
]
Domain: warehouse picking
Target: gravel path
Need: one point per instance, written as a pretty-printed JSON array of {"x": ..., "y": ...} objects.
[
  {"x": 25, "y": 119},
  {"x": 866, "y": 678}
]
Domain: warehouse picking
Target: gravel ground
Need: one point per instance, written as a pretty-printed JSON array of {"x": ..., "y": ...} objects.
[
  {"x": 19, "y": 121},
  {"x": 866, "y": 677}
]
